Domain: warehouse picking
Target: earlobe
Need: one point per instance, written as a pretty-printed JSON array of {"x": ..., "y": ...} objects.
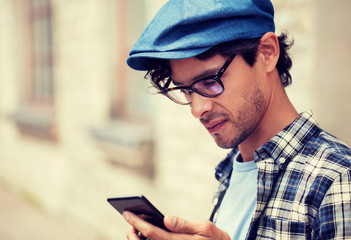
[{"x": 269, "y": 50}]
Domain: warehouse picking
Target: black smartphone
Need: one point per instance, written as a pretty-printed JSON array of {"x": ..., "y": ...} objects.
[{"x": 140, "y": 206}]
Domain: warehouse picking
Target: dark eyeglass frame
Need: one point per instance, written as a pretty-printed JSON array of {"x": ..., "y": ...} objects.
[{"x": 189, "y": 89}]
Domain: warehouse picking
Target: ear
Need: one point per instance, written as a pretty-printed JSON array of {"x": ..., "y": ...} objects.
[{"x": 269, "y": 50}]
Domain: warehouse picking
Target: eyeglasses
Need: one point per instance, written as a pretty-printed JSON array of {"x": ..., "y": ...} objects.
[{"x": 210, "y": 87}]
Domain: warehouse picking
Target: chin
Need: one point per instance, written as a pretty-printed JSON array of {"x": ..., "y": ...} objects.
[
  {"x": 231, "y": 142},
  {"x": 227, "y": 144}
]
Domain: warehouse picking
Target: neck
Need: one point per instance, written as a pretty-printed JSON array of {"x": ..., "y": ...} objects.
[{"x": 279, "y": 113}]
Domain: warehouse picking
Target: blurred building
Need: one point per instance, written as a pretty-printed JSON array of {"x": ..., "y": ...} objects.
[{"x": 77, "y": 126}]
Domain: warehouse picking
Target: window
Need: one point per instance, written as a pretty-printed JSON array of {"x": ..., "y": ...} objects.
[
  {"x": 41, "y": 90},
  {"x": 129, "y": 96},
  {"x": 128, "y": 141},
  {"x": 36, "y": 110}
]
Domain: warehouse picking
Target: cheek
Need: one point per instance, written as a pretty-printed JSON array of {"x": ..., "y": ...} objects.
[
  {"x": 241, "y": 80},
  {"x": 241, "y": 95},
  {"x": 244, "y": 77},
  {"x": 236, "y": 88}
]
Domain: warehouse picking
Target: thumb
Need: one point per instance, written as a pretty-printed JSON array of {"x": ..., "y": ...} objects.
[
  {"x": 180, "y": 225},
  {"x": 204, "y": 229},
  {"x": 177, "y": 224}
]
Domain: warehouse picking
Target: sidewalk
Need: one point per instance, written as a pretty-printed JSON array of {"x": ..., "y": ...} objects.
[{"x": 21, "y": 221}]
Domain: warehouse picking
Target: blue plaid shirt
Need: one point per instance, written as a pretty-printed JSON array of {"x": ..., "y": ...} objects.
[{"x": 303, "y": 185}]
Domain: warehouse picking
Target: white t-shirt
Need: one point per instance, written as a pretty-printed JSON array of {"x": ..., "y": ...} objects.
[{"x": 239, "y": 202}]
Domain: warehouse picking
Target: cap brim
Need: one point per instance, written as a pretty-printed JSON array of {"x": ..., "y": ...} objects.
[{"x": 141, "y": 61}]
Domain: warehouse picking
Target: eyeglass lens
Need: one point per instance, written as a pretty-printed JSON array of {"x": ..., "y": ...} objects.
[
  {"x": 209, "y": 87},
  {"x": 206, "y": 87}
]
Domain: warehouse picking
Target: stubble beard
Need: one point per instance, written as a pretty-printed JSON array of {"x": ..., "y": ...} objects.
[{"x": 245, "y": 121}]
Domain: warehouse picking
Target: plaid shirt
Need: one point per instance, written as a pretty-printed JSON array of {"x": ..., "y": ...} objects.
[{"x": 303, "y": 185}]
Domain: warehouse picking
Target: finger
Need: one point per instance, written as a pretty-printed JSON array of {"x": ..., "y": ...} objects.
[
  {"x": 180, "y": 225},
  {"x": 132, "y": 234},
  {"x": 146, "y": 229},
  {"x": 135, "y": 234},
  {"x": 135, "y": 221},
  {"x": 203, "y": 228}
]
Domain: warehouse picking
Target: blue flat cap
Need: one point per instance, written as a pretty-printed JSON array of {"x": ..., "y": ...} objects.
[{"x": 186, "y": 28}]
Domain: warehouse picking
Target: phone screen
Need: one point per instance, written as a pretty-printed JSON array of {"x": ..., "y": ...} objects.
[{"x": 140, "y": 206}]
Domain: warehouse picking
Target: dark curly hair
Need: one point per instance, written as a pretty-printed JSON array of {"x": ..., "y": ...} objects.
[{"x": 159, "y": 70}]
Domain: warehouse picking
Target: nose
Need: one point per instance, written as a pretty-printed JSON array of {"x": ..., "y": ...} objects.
[{"x": 200, "y": 105}]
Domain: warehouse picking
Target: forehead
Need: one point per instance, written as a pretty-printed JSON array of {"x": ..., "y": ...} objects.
[{"x": 191, "y": 69}]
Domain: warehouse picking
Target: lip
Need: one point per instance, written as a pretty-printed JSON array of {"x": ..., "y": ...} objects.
[{"x": 215, "y": 126}]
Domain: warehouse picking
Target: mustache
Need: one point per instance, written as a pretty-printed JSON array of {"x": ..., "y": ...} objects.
[{"x": 211, "y": 116}]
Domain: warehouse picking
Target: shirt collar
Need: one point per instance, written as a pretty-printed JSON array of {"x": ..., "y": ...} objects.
[
  {"x": 225, "y": 167},
  {"x": 282, "y": 147},
  {"x": 288, "y": 142}
]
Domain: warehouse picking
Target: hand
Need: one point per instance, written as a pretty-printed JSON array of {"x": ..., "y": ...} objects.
[{"x": 181, "y": 229}]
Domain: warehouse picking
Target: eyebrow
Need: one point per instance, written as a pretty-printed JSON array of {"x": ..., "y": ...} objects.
[{"x": 206, "y": 73}]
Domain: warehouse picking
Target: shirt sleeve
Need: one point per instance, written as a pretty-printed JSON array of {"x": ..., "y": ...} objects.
[{"x": 334, "y": 216}]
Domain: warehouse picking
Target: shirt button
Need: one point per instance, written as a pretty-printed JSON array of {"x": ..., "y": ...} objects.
[{"x": 282, "y": 160}]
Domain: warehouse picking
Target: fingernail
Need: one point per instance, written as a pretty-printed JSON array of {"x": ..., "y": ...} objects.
[{"x": 126, "y": 215}]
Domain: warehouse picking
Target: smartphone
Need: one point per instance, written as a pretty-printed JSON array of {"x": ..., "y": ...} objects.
[{"x": 140, "y": 206}]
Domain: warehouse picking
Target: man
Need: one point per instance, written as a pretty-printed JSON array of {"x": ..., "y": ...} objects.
[{"x": 285, "y": 178}]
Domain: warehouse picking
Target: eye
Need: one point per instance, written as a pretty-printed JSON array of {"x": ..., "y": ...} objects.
[
  {"x": 209, "y": 87},
  {"x": 209, "y": 83},
  {"x": 206, "y": 84}
]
